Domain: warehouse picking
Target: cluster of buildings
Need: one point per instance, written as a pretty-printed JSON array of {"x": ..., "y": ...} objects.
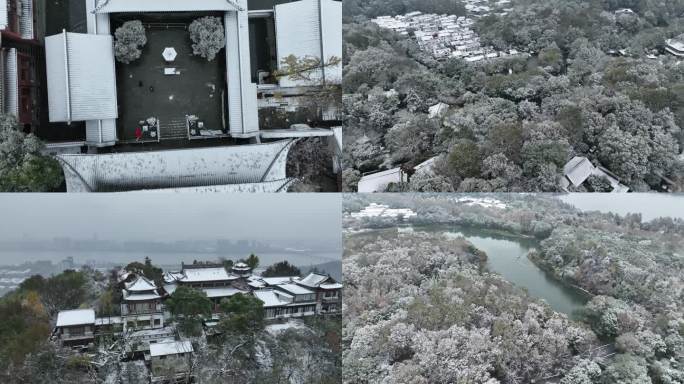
[
  {"x": 67, "y": 89},
  {"x": 446, "y": 36},
  {"x": 147, "y": 329}
]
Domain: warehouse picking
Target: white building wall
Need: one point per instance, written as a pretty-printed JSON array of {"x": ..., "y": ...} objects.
[
  {"x": 3, "y": 14},
  {"x": 331, "y": 13},
  {"x": 298, "y": 33},
  {"x": 101, "y": 132},
  {"x": 81, "y": 77},
  {"x": 26, "y": 19},
  {"x": 242, "y": 107},
  {"x": 11, "y": 83},
  {"x": 98, "y": 23}
]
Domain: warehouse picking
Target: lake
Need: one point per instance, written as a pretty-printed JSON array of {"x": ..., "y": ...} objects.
[{"x": 507, "y": 256}]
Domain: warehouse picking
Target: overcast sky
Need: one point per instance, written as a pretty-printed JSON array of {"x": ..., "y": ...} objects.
[
  {"x": 266, "y": 217},
  {"x": 650, "y": 205}
]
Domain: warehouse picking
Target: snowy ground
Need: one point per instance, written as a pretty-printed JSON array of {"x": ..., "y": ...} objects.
[
  {"x": 381, "y": 210},
  {"x": 275, "y": 329}
]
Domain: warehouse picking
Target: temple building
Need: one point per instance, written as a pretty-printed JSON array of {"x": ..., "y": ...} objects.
[
  {"x": 212, "y": 279},
  {"x": 141, "y": 305},
  {"x": 193, "y": 124}
]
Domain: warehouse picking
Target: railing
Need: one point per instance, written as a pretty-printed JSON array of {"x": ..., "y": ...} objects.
[
  {"x": 331, "y": 298},
  {"x": 141, "y": 311}
]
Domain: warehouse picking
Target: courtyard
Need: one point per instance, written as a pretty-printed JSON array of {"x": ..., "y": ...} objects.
[{"x": 155, "y": 95}]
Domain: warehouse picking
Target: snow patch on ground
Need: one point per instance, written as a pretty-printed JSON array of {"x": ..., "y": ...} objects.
[
  {"x": 486, "y": 202},
  {"x": 275, "y": 329},
  {"x": 381, "y": 210}
]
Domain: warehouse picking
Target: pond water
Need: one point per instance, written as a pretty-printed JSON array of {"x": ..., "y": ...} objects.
[{"x": 507, "y": 256}]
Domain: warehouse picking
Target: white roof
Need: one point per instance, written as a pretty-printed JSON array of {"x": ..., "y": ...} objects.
[
  {"x": 331, "y": 286},
  {"x": 140, "y": 284},
  {"x": 578, "y": 169},
  {"x": 116, "y": 6},
  {"x": 272, "y": 298},
  {"x": 170, "y": 288},
  {"x": 80, "y": 77},
  {"x": 378, "y": 181},
  {"x": 76, "y": 317},
  {"x": 240, "y": 264},
  {"x": 194, "y": 275},
  {"x": 172, "y": 348},
  {"x": 134, "y": 296},
  {"x": 195, "y": 167},
  {"x": 170, "y": 277},
  {"x": 313, "y": 280},
  {"x": 279, "y": 280},
  {"x": 295, "y": 289},
  {"x": 221, "y": 292}
]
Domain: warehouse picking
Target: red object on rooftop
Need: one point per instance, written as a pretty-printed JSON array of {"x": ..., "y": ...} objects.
[{"x": 138, "y": 133}]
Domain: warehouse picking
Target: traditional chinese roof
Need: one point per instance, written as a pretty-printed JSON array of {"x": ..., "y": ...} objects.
[
  {"x": 331, "y": 286},
  {"x": 76, "y": 317},
  {"x": 196, "y": 275},
  {"x": 272, "y": 298},
  {"x": 313, "y": 280},
  {"x": 140, "y": 284},
  {"x": 221, "y": 292},
  {"x": 170, "y": 348},
  {"x": 294, "y": 289},
  {"x": 134, "y": 296}
]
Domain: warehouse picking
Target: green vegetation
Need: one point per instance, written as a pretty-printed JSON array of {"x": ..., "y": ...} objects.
[
  {"x": 129, "y": 38},
  {"x": 520, "y": 118},
  {"x": 245, "y": 314},
  {"x": 189, "y": 306},
  {"x": 281, "y": 269},
  {"x": 445, "y": 305},
  {"x": 22, "y": 166}
]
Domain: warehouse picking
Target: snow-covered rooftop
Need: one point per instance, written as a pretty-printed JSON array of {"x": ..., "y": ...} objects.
[
  {"x": 133, "y": 296},
  {"x": 76, "y": 317},
  {"x": 295, "y": 289},
  {"x": 119, "y": 6},
  {"x": 140, "y": 284},
  {"x": 313, "y": 280},
  {"x": 221, "y": 292},
  {"x": 272, "y": 298},
  {"x": 331, "y": 286},
  {"x": 172, "y": 348},
  {"x": 279, "y": 280},
  {"x": 194, "y": 275},
  {"x": 170, "y": 277}
]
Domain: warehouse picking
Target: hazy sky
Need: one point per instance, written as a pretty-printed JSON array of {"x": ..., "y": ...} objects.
[
  {"x": 650, "y": 205},
  {"x": 163, "y": 217}
]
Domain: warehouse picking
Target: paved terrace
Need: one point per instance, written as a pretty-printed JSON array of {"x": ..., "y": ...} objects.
[{"x": 198, "y": 90}]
